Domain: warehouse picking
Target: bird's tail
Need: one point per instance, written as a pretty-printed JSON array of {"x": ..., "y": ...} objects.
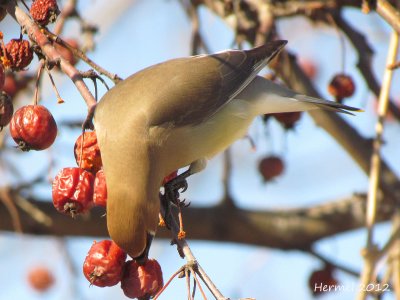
[
  {"x": 267, "y": 97},
  {"x": 328, "y": 105}
]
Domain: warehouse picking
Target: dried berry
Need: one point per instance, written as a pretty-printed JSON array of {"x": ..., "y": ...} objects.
[
  {"x": 65, "y": 52},
  {"x": 6, "y": 109},
  {"x": 169, "y": 177},
  {"x": 104, "y": 264},
  {"x": 40, "y": 278},
  {"x": 87, "y": 155},
  {"x": 72, "y": 191},
  {"x": 320, "y": 280},
  {"x": 100, "y": 189},
  {"x": 44, "y": 11},
  {"x": 142, "y": 281},
  {"x": 19, "y": 53},
  {"x": 288, "y": 120},
  {"x": 341, "y": 86},
  {"x": 33, "y": 128},
  {"x": 271, "y": 167}
]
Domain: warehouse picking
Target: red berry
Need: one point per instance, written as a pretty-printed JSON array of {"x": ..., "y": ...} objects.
[
  {"x": 66, "y": 53},
  {"x": 288, "y": 120},
  {"x": 308, "y": 67},
  {"x": 169, "y": 177},
  {"x": 12, "y": 84},
  {"x": 100, "y": 189},
  {"x": 104, "y": 264},
  {"x": 19, "y": 53},
  {"x": 6, "y": 109},
  {"x": 33, "y": 128},
  {"x": 320, "y": 279},
  {"x": 87, "y": 155},
  {"x": 40, "y": 278},
  {"x": 141, "y": 281},
  {"x": 44, "y": 11},
  {"x": 2, "y": 77},
  {"x": 341, "y": 86},
  {"x": 72, "y": 191},
  {"x": 271, "y": 167}
]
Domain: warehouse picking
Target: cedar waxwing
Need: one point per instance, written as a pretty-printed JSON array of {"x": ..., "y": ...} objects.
[{"x": 180, "y": 113}]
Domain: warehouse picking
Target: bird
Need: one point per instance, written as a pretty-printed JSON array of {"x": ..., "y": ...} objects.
[{"x": 176, "y": 114}]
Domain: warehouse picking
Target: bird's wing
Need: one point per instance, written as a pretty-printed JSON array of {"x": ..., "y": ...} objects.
[{"x": 195, "y": 88}]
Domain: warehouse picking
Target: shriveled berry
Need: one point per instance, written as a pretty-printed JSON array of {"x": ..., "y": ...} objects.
[
  {"x": 100, "y": 189},
  {"x": 288, "y": 120},
  {"x": 65, "y": 52},
  {"x": 321, "y": 278},
  {"x": 72, "y": 191},
  {"x": 169, "y": 177},
  {"x": 87, "y": 152},
  {"x": 33, "y": 128},
  {"x": 104, "y": 264},
  {"x": 6, "y": 109},
  {"x": 40, "y": 278},
  {"x": 341, "y": 86},
  {"x": 44, "y": 11},
  {"x": 271, "y": 167},
  {"x": 19, "y": 53},
  {"x": 142, "y": 281}
]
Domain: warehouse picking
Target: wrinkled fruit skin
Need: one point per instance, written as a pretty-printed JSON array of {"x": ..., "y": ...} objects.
[
  {"x": 100, "y": 189},
  {"x": 142, "y": 281},
  {"x": 33, "y": 128},
  {"x": 288, "y": 120},
  {"x": 341, "y": 86},
  {"x": 104, "y": 264},
  {"x": 271, "y": 167},
  {"x": 44, "y": 11},
  {"x": 19, "y": 53},
  {"x": 40, "y": 279},
  {"x": 169, "y": 177},
  {"x": 91, "y": 157},
  {"x": 72, "y": 191},
  {"x": 320, "y": 278},
  {"x": 66, "y": 53},
  {"x": 6, "y": 109}
]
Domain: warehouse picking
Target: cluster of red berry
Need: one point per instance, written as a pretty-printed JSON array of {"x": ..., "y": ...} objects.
[
  {"x": 75, "y": 191},
  {"x": 106, "y": 265},
  {"x": 16, "y": 56}
]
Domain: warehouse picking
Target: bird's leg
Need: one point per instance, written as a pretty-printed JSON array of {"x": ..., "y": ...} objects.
[{"x": 171, "y": 192}]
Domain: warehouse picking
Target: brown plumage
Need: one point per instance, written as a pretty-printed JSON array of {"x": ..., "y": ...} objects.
[{"x": 179, "y": 113}]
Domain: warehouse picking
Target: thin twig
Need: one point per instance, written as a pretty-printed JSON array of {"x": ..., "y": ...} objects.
[
  {"x": 78, "y": 53},
  {"x": 190, "y": 258},
  {"x": 334, "y": 264},
  {"x": 6, "y": 198},
  {"x": 372, "y": 200},
  {"x": 36, "y": 35},
  {"x": 168, "y": 282}
]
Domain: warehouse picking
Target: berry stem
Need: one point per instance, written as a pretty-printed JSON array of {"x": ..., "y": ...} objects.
[{"x": 39, "y": 74}]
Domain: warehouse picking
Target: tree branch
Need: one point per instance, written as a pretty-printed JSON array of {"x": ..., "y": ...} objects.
[{"x": 282, "y": 229}]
